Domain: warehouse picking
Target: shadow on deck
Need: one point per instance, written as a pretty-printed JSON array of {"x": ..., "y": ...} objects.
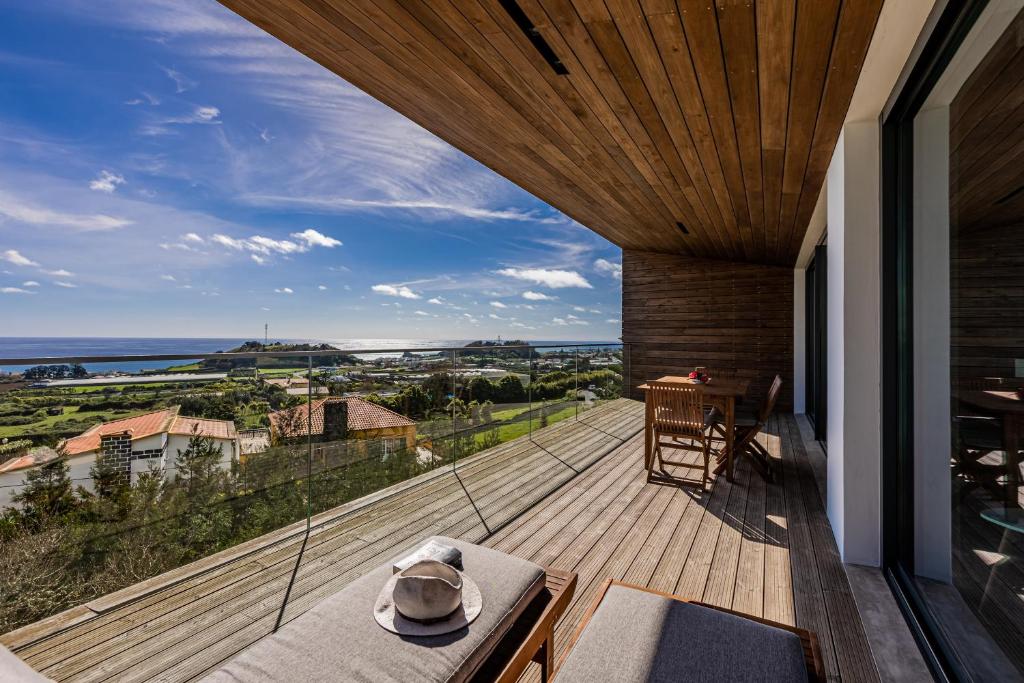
[{"x": 574, "y": 497}]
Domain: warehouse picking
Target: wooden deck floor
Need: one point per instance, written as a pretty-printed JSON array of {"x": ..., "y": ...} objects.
[{"x": 575, "y": 497}]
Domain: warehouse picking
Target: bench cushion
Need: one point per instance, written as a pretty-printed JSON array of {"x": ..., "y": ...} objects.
[
  {"x": 339, "y": 640},
  {"x": 640, "y": 636},
  {"x": 13, "y": 670}
]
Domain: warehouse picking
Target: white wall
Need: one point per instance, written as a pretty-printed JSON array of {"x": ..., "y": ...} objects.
[{"x": 854, "y": 344}]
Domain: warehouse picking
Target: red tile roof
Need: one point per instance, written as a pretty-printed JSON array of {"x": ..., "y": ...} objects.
[
  {"x": 362, "y": 415},
  {"x": 141, "y": 426}
]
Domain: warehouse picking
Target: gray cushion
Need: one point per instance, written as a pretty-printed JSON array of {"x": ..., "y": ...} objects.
[
  {"x": 639, "y": 636},
  {"x": 339, "y": 640},
  {"x": 13, "y": 670}
]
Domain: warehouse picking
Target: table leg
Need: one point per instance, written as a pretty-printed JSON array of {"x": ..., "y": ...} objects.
[
  {"x": 730, "y": 435},
  {"x": 1011, "y": 435},
  {"x": 648, "y": 433}
]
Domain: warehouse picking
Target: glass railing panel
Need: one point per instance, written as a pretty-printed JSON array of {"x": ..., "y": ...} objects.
[{"x": 265, "y": 447}]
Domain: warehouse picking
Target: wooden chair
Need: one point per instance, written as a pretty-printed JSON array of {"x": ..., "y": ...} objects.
[
  {"x": 748, "y": 426},
  {"x": 679, "y": 414}
]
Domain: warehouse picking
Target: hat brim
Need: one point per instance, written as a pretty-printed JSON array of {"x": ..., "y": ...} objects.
[{"x": 391, "y": 619}]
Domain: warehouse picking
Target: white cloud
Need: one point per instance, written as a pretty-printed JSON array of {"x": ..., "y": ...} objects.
[
  {"x": 230, "y": 242},
  {"x": 192, "y": 237},
  {"x": 67, "y": 285},
  {"x": 15, "y": 257},
  {"x": 555, "y": 279},
  {"x": 264, "y": 308},
  {"x": 498, "y": 304},
  {"x": 30, "y": 283},
  {"x": 106, "y": 181},
  {"x": 258, "y": 259},
  {"x": 421, "y": 313},
  {"x": 322, "y": 287},
  {"x": 312, "y": 238},
  {"x": 608, "y": 268},
  {"x": 395, "y": 290},
  {"x": 523, "y": 326},
  {"x": 59, "y": 273},
  {"x": 437, "y": 301},
  {"x": 285, "y": 290},
  {"x": 207, "y": 113},
  {"x": 538, "y": 296},
  {"x": 569, "y": 320},
  {"x": 579, "y": 309},
  {"x": 260, "y": 244},
  {"x": 181, "y": 81},
  {"x": 14, "y": 290},
  {"x": 13, "y": 207},
  {"x": 168, "y": 278},
  {"x": 613, "y": 321}
]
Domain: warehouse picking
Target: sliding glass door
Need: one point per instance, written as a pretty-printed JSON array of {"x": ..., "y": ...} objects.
[
  {"x": 815, "y": 289},
  {"x": 954, "y": 342}
]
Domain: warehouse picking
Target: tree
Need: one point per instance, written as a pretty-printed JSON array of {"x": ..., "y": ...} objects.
[
  {"x": 510, "y": 390},
  {"x": 486, "y": 414},
  {"x": 481, "y": 389},
  {"x": 199, "y": 470},
  {"x": 47, "y": 491},
  {"x": 474, "y": 412}
]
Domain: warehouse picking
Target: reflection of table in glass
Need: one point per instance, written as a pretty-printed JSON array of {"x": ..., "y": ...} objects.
[
  {"x": 1010, "y": 408},
  {"x": 719, "y": 393},
  {"x": 1012, "y": 522}
]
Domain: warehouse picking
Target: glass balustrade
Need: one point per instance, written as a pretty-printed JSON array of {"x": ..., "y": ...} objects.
[{"x": 115, "y": 470}]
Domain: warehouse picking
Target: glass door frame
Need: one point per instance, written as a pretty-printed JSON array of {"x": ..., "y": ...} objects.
[{"x": 945, "y": 37}]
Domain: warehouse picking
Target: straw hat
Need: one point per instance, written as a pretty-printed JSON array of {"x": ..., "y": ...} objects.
[{"x": 429, "y": 598}]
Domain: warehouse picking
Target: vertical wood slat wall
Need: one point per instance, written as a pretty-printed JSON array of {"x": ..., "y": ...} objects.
[{"x": 679, "y": 312}]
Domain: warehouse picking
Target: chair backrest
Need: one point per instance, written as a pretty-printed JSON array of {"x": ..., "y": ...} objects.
[
  {"x": 678, "y": 408},
  {"x": 769, "y": 401}
]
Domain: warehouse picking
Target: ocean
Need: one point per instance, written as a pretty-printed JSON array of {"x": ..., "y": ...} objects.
[{"x": 58, "y": 347}]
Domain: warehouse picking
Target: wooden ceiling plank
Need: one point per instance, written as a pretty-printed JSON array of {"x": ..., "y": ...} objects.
[
  {"x": 564, "y": 102},
  {"x": 620, "y": 132},
  {"x": 856, "y": 24},
  {"x": 637, "y": 37},
  {"x": 812, "y": 46},
  {"x": 775, "y": 26},
  {"x": 605, "y": 36},
  {"x": 572, "y": 32},
  {"x": 668, "y": 34},
  {"x": 737, "y": 25},
  {"x": 701, "y": 29}
]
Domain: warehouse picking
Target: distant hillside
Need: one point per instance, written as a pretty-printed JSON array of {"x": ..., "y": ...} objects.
[
  {"x": 506, "y": 353},
  {"x": 277, "y": 347}
]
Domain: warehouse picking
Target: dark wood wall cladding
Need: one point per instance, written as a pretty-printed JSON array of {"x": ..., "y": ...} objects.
[
  {"x": 987, "y": 214},
  {"x": 679, "y": 312}
]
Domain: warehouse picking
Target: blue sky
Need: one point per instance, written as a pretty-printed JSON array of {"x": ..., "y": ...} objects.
[{"x": 167, "y": 169}]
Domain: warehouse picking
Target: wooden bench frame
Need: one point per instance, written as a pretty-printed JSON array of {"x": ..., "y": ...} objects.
[
  {"x": 532, "y": 637},
  {"x": 809, "y": 641}
]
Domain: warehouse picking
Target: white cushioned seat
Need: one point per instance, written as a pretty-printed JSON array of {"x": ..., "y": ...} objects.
[
  {"x": 639, "y": 636},
  {"x": 339, "y": 640}
]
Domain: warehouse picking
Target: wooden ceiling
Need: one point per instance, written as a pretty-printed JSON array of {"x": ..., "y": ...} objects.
[{"x": 719, "y": 116}]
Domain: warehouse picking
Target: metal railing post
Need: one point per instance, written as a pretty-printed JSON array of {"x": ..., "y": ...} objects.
[
  {"x": 455, "y": 376},
  {"x": 309, "y": 443},
  {"x": 529, "y": 395}
]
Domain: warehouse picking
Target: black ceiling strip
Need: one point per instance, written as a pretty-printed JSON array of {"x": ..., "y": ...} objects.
[{"x": 533, "y": 35}]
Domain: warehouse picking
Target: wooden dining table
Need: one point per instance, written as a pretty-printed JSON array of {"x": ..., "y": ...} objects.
[
  {"x": 1009, "y": 406},
  {"x": 721, "y": 393}
]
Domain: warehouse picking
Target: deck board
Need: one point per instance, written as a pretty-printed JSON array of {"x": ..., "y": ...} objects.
[{"x": 575, "y": 497}]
